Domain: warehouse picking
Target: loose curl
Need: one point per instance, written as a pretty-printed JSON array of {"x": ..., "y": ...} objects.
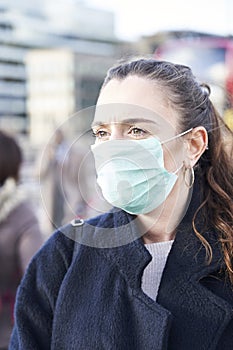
[{"x": 215, "y": 167}]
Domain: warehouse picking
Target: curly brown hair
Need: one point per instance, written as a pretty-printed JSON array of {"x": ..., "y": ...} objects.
[{"x": 215, "y": 167}]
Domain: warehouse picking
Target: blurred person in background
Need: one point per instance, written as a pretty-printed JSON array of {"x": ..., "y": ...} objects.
[
  {"x": 50, "y": 167},
  {"x": 20, "y": 235},
  {"x": 58, "y": 169},
  {"x": 156, "y": 271}
]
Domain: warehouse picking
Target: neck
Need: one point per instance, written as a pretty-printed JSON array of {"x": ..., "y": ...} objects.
[{"x": 160, "y": 224}]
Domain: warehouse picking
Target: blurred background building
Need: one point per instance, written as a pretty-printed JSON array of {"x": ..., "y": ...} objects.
[
  {"x": 25, "y": 26},
  {"x": 60, "y": 83}
]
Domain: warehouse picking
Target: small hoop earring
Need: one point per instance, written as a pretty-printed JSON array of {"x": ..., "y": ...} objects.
[{"x": 192, "y": 179}]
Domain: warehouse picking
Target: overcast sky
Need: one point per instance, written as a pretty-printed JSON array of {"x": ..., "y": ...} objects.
[{"x": 135, "y": 18}]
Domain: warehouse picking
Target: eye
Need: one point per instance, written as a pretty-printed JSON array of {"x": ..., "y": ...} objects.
[
  {"x": 137, "y": 132},
  {"x": 100, "y": 134}
]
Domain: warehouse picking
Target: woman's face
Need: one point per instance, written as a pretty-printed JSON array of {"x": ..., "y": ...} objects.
[{"x": 136, "y": 108}]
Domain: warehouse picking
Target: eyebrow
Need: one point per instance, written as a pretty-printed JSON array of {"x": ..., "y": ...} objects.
[{"x": 126, "y": 121}]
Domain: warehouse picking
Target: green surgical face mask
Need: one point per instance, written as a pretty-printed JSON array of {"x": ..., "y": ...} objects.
[{"x": 131, "y": 173}]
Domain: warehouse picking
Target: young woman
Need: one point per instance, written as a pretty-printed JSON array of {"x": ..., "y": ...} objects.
[{"x": 156, "y": 271}]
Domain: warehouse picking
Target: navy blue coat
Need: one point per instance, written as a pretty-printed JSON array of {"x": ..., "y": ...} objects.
[{"x": 93, "y": 299}]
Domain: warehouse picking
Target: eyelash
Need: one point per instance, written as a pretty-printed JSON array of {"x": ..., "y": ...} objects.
[
  {"x": 97, "y": 133},
  {"x": 142, "y": 132}
]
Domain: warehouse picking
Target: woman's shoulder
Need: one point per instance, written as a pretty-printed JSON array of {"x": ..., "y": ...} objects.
[
  {"x": 60, "y": 247},
  {"x": 57, "y": 247},
  {"x": 62, "y": 241}
]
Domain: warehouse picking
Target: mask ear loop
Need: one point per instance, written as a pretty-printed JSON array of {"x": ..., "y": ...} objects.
[
  {"x": 185, "y": 171},
  {"x": 177, "y": 170},
  {"x": 175, "y": 137}
]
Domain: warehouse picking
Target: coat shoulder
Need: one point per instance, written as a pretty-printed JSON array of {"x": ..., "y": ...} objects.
[{"x": 61, "y": 244}]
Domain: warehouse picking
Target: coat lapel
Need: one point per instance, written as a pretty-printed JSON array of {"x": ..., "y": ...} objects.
[
  {"x": 200, "y": 315},
  {"x": 151, "y": 321}
]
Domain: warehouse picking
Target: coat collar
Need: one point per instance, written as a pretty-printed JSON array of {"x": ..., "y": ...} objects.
[
  {"x": 116, "y": 236},
  {"x": 188, "y": 253}
]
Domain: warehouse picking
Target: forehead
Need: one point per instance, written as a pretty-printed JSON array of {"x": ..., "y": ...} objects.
[{"x": 134, "y": 97}]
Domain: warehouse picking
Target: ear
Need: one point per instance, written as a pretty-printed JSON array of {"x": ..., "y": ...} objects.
[{"x": 197, "y": 142}]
